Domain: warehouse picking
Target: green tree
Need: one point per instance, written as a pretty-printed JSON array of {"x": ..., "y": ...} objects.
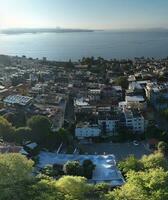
[
  {"x": 65, "y": 136},
  {"x": 16, "y": 119},
  {"x": 22, "y": 135},
  {"x": 45, "y": 189},
  {"x": 122, "y": 81},
  {"x": 153, "y": 132},
  {"x": 130, "y": 163},
  {"x": 14, "y": 168},
  {"x": 15, "y": 175},
  {"x": 50, "y": 171},
  {"x": 73, "y": 186},
  {"x": 6, "y": 130},
  {"x": 19, "y": 191},
  {"x": 73, "y": 168},
  {"x": 148, "y": 185},
  {"x": 156, "y": 160},
  {"x": 162, "y": 147},
  {"x": 41, "y": 128},
  {"x": 88, "y": 168},
  {"x": 99, "y": 190},
  {"x": 165, "y": 113}
]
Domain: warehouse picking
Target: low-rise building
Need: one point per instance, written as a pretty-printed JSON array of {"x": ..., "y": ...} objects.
[
  {"x": 85, "y": 130},
  {"x": 108, "y": 123},
  {"x": 20, "y": 100},
  {"x": 157, "y": 95},
  {"x": 105, "y": 170},
  {"x": 134, "y": 121}
]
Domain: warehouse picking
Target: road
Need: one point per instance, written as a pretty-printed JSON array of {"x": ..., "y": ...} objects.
[
  {"x": 69, "y": 111},
  {"x": 121, "y": 151}
]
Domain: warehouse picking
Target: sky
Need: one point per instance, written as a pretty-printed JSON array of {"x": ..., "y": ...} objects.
[{"x": 86, "y": 14}]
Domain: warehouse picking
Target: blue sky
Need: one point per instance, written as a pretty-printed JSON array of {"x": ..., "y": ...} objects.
[{"x": 91, "y": 14}]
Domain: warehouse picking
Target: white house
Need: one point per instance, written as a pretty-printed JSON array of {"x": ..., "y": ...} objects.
[
  {"x": 85, "y": 130},
  {"x": 134, "y": 121}
]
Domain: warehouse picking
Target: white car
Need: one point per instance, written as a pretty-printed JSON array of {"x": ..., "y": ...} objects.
[{"x": 135, "y": 143}]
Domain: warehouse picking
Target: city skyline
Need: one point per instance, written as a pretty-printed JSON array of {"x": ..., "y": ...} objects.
[{"x": 95, "y": 14}]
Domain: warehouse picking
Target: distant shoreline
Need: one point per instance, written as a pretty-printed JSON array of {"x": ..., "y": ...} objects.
[
  {"x": 43, "y": 30},
  {"x": 15, "y": 31}
]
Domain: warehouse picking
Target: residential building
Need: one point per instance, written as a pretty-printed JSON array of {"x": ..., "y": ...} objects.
[
  {"x": 85, "y": 130},
  {"x": 157, "y": 95},
  {"x": 134, "y": 121},
  {"x": 20, "y": 100},
  {"x": 108, "y": 123}
]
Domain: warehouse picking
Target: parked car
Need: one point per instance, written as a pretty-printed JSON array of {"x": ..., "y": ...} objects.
[{"x": 135, "y": 143}]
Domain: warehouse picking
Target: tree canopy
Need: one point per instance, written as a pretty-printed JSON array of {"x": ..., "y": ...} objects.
[
  {"x": 15, "y": 175},
  {"x": 130, "y": 163},
  {"x": 73, "y": 168},
  {"x": 146, "y": 179},
  {"x": 122, "y": 81},
  {"x": 146, "y": 185},
  {"x": 6, "y": 130},
  {"x": 41, "y": 128}
]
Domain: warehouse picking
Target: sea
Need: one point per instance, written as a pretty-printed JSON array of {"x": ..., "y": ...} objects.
[{"x": 74, "y": 46}]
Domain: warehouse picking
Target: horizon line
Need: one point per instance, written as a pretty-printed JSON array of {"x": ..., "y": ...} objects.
[{"x": 79, "y": 28}]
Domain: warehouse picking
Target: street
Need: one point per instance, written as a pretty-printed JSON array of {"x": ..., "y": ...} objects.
[{"x": 120, "y": 150}]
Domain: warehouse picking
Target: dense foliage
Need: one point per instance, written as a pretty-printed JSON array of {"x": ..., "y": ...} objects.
[
  {"x": 146, "y": 179},
  {"x": 76, "y": 169},
  {"x": 38, "y": 130},
  {"x": 41, "y": 128}
]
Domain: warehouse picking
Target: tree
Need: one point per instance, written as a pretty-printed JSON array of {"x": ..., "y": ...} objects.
[
  {"x": 99, "y": 190},
  {"x": 44, "y": 189},
  {"x": 165, "y": 113},
  {"x": 148, "y": 185},
  {"x": 41, "y": 128},
  {"x": 130, "y": 163},
  {"x": 16, "y": 119},
  {"x": 15, "y": 175},
  {"x": 125, "y": 135},
  {"x": 64, "y": 136},
  {"x": 88, "y": 168},
  {"x": 73, "y": 168},
  {"x": 156, "y": 160},
  {"x": 75, "y": 187},
  {"x": 6, "y": 130},
  {"x": 19, "y": 191},
  {"x": 22, "y": 134},
  {"x": 49, "y": 170},
  {"x": 14, "y": 168},
  {"x": 122, "y": 81},
  {"x": 162, "y": 147},
  {"x": 153, "y": 132}
]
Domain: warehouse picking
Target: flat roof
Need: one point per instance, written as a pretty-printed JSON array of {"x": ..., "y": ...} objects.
[
  {"x": 81, "y": 102},
  {"x": 117, "y": 87},
  {"x": 105, "y": 171},
  {"x": 134, "y": 98},
  {"x": 17, "y": 99}
]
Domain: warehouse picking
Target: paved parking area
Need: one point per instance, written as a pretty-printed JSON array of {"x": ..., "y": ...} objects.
[{"x": 120, "y": 150}]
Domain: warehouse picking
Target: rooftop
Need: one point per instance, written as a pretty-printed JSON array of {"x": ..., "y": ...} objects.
[
  {"x": 105, "y": 171},
  {"x": 18, "y": 99},
  {"x": 134, "y": 98}
]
